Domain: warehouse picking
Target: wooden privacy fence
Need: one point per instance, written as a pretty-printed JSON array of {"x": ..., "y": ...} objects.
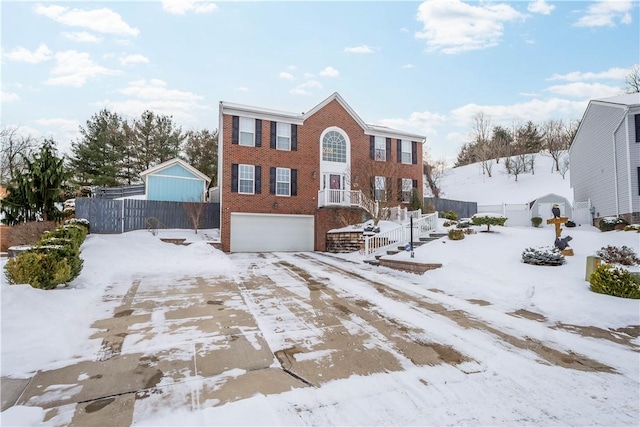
[
  {"x": 119, "y": 216},
  {"x": 461, "y": 208}
]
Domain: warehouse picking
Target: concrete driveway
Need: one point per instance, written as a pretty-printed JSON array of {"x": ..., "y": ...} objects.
[{"x": 276, "y": 326}]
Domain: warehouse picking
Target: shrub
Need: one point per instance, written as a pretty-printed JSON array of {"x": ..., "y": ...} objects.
[
  {"x": 464, "y": 223},
  {"x": 448, "y": 215},
  {"x": 612, "y": 223},
  {"x": 615, "y": 281},
  {"x": 488, "y": 219},
  {"x": 40, "y": 270},
  {"x": 449, "y": 223},
  {"x": 75, "y": 233},
  {"x": 430, "y": 208},
  {"x": 632, "y": 227},
  {"x": 84, "y": 223},
  {"x": 456, "y": 234},
  {"x": 542, "y": 256},
  {"x": 536, "y": 221},
  {"x": 618, "y": 255},
  {"x": 469, "y": 231},
  {"x": 28, "y": 233}
]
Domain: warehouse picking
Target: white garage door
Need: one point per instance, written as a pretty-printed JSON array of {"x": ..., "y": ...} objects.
[{"x": 271, "y": 233}]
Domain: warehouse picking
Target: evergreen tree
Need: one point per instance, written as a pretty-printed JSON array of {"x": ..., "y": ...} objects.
[
  {"x": 97, "y": 157},
  {"x": 155, "y": 140},
  {"x": 201, "y": 152},
  {"x": 34, "y": 193}
]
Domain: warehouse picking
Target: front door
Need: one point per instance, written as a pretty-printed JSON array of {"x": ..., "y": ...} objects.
[{"x": 334, "y": 182}]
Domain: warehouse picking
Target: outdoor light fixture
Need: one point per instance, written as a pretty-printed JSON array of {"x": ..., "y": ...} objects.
[
  {"x": 275, "y": 205},
  {"x": 313, "y": 174}
]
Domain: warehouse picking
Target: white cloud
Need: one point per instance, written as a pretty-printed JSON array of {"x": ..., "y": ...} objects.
[
  {"x": 540, "y": 6},
  {"x": 408, "y": 66},
  {"x": 100, "y": 20},
  {"x": 604, "y": 13},
  {"x": 576, "y": 76},
  {"x": 422, "y": 122},
  {"x": 243, "y": 89},
  {"x": 292, "y": 67},
  {"x": 286, "y": 76},
  {"x": 63, "y": 131},
  {"x": 75, "y": 68},
  {"x": 135, "y": 58},
  {"x": 451, "y": 26},
  {"x": 8, "y": 96},
  {"x": 329, "y": 72},
  {"x": 155, "y": 95},
  {"x": 304, "y": 88},
  {"x": 82, "y": 37},
  {"x": 584, "y": 90},
  {"x": 358, "y": 49},
  {"x": 21, "y": 54},
  {"x": 180, "y": 7},
  {"x": 309, "y": 75}
]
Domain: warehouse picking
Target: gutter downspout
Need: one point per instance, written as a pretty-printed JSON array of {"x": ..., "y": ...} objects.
[
  {"x": 220, "y": 163},
  {"x": 626, "y": 123},
  {"x": 615, "y": 161}
]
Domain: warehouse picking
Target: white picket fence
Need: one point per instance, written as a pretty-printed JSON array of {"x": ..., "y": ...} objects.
[{"x": 401, "y": 234}]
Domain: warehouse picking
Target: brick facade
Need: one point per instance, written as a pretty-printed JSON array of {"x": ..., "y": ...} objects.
[{"x": 306, "y": 160}]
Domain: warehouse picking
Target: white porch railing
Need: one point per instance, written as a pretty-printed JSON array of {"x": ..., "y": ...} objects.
[
  {"x": 348, "y": 198},
  {"x": 401, "y": 234}
]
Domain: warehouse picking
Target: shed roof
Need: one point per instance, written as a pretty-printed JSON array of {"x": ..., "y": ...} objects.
[{"x": 173, "y": 162}]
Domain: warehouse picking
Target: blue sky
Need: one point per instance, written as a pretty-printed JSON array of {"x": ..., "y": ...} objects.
[{"x": 423, "y": 67}]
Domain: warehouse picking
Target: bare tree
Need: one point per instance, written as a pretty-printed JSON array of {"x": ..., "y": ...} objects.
[
  {"x": 14, "y": 147},
  {"x": 481, "y": 139},
  {"x": 434, "y": 172},
  {"x": 564, "y": 166},
  {"x": 554, "y": 140},
  {"x": 194, "y": 211},
  {"x": 632, "y": 81}
]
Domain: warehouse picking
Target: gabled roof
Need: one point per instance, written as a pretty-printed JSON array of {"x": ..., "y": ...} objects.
[
  {"x": 276, "y": 115},
  {"x": 173, "y": 162},
  {"x": 627, "y": 100}
]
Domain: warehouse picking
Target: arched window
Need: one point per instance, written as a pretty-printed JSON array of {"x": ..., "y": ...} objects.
[{"x": 334, "y": 147}]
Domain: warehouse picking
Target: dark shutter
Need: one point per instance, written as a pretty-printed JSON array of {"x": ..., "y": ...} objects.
[
  {"x": 638, "y": 179},
  {"x": 388, "y": 150},
  {"x": 637, "y": 119},
  {"x": 258, "y": 133},
  {"x": 294, "y": 182},
  {"x": 399, "y": 150},
  {"x": 294, "y": 137},
  {"x": 272, "y": 180},
  {"x": 414, "y": 183},
  {"x": 234, "y": 178},
  {"x": 258, "y": 179},
  {"x": 372, "y": 146},
  {"x": 414, "y": 152},
  {"x": 235, "y": 129},
  {"x": 274, "y": 126}
]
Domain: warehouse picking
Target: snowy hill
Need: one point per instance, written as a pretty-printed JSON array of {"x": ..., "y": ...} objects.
[{"x": 469, "y": 184}]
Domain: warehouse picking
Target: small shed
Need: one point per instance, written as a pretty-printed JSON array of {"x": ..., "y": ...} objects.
[
  {"x": 542, "y": 206},
  {"x": 175, "y": 181}
]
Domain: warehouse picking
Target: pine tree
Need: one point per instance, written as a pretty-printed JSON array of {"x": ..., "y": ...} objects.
[
  {"x": 201, "y": 151},
  {"x": 155, "y": 140},
  {"x": 97, "y": 157},
  {"x": 34, "y": 194}
]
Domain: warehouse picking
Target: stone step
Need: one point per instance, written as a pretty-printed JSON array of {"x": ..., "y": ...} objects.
[
  {"x": 438, "y": 235},
  {"x": 392, "y": 252},
  {"x": 428, "y": 239},
  {"x": 373, "y": 262}
]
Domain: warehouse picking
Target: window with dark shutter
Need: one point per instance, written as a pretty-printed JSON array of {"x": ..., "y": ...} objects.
[
  {"x": 258, "y": 133},
  {"x": 414, "y": 152},
  {"x": 272, "y": 180},
  {"x": 399, "y": 150},
  {"x": 235, "y": 126},
  {"x": 234, "y": 178},
  {"x": 258, "y": 178},
  {"x": 637, "y": 119},
  {"x": 414, "y": 183},
  {"x": 294, "y": 181},
  {"x": 388, "y": 147},
  {"x": 294, "y": 137},
  {"x": 272, "y": 137}
]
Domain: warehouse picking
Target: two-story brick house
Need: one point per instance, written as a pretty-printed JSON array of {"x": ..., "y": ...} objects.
[{"x": 286, "y": 179}]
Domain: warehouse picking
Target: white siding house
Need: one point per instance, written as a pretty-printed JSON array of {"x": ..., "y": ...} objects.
[{"x": 605, "y": 157}]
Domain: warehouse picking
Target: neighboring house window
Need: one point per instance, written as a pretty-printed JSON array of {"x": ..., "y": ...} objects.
[
  {"x": 381, "y": 148},
  {"x": 334, "y": 147},
  {"x": 283, "y": 137},
  {"x": 380, "y": 189},
  {"x": 283, "y": 182},
  {"x": 637, "y": 119},
  {"x": 247, "y": 131},
  {"x": 246, "y": 178},
  {"x": 406, "y": 186},
  {"x": 406, "y": 151}
]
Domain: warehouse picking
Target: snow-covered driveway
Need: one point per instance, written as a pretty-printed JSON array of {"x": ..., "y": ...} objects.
[{"x": 313, "y": 339}]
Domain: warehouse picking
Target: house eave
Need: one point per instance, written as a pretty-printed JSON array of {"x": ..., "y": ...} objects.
[{"x": 260, "y": 113}]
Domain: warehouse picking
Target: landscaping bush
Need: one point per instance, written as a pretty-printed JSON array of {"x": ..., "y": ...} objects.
[
  {"x": 618, "y": 255},
  {"x": 430, "y": 208},
  {"x": 488, "y": 219},
  {"x": 464, "y": 223},
  {"x": 28, "y": 233},
  {"x": 615, "y": 281},
  {"x": 542, "y": 256},
  {"x": 612, "y": 223},
  {"x": 449, "y": 223},
  {"x": 456, "y": 234},
  {"x": 84, "y": 223},
  {"x": 536, "y": 221},
  {"x": 632, "y": 227},
  {"x": 451, "y": 215},
  {"x": 75, "y": 233},
  {"x": 40, "y": 270}
]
